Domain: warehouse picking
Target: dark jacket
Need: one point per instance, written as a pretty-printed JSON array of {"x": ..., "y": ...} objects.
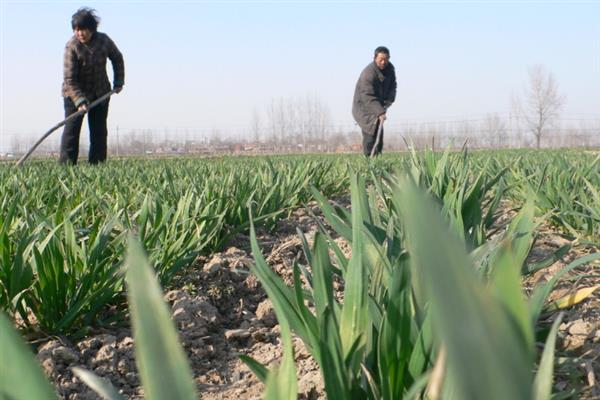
[
  {"x": 84, "y": 70},
  {"x": 375, "y": 91}
]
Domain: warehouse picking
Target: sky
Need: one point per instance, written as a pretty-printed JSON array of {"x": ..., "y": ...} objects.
[{"x": 209, "y": 65}]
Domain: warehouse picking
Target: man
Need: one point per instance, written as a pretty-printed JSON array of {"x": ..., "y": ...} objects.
[
  {"x": 84, "y": 81},
  {"x": 374, "y": 93}
]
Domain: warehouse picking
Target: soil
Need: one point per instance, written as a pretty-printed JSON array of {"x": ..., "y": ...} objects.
[
  {"x": 221, "y": 311},
  {"x": 578, "y": 343}
]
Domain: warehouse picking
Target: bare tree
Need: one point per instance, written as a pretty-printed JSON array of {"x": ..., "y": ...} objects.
[
  {"x": 291, "y": 134},
  {"x": 255, "y": 125},
  {"x": 495, "y": 129},
  {"x": 16, "y": 145},
  {"x": 216, "y": 137},
  {"x": 277, "y": 120},
  {"x": 299, "y": 120},
  {"x": 542, "y": 102},
  {"x": 318, "y": 118}
]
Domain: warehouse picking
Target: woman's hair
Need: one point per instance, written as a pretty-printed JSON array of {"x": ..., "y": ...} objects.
[{"x": 85, "y": 18}]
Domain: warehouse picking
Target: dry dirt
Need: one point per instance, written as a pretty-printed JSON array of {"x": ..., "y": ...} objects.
[
  {"x": 578, "y": 344},
  {"x": 221, "y": 311}
]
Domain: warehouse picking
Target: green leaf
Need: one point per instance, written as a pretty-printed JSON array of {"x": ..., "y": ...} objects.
[
  {"x": 282, "y": 296},
  {"x": 546, "y": 262},
  {"x": 506, "y": 273},
  {"x": 281, "y": 381},
  {"x": 420, "y": 358},
  {"x": 20, "y": 375},
  {"x": 339, "y": 224},
  {"x": 164, "y": 371},
  {"x": 485, "y": 358},
  {"x": 97, "y": 384},
  {"x": 354, "y": 316},
  {"x": 414, "y": 392},
  {"x": 542, "y": 385},
  {"x": 335, "y": 375},
  {"x": 259, "y": 369},
  {"x": 322, "y": 280},
  {"x": 394, "y": 344}
]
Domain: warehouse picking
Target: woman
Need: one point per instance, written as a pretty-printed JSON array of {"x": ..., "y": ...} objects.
[{"x": 85, "y": 80}]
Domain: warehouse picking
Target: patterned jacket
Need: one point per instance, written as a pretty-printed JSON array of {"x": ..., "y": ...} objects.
[{"x": 85, "y": 76}]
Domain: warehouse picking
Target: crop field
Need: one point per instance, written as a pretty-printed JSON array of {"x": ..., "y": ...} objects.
[{"x": 418, "y": 275}]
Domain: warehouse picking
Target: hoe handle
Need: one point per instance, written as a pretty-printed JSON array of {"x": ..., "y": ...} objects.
[{"x": 55, "y": 127}]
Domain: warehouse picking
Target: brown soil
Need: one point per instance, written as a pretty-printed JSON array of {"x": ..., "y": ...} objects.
[{"x": 578, "y": 344}]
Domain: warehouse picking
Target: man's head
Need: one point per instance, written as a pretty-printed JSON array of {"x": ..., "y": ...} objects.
[
  {"x": 84, "y": 23},
  {"x": 382, "y": 57}
]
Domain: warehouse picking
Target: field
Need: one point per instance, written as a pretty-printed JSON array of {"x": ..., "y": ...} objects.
[{"x": 439, "y": 275}]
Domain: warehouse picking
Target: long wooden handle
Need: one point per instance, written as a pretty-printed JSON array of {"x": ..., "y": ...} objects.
[
  {"x": 55, "y": 127},
  {"x": 377, "y": 139}
]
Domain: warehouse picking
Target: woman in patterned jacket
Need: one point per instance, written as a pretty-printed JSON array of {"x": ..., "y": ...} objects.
[{"x": 85, "y": 80}]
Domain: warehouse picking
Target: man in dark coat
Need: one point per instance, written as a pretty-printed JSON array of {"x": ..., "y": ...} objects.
[
  {"x": 374, "y": 93},
  {"x": 85, "y": 80}
]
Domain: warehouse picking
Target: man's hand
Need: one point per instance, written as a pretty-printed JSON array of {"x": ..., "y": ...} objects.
[
  {"x": 382, "y": 117},
  {"x": 118, "y": 89},
  {"x": 83, "y": 107}
]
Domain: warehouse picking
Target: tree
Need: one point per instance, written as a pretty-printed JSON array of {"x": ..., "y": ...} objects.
[
  {"x": 255, "y": 125},
  {"x": 16, "y": 145},
  {"x": 496, "y": 130},
  {"x": 542, "y": 102},
  {"x": 277, "y": 120},
  {"x": 298, "y": 120}
]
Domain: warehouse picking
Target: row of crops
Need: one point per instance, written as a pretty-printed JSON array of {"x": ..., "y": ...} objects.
[
  {"x": 63, "y": 231},
  {"x": 433, "y": 305},
  {"x": 428, "y": 260},
  {"x": 566, "y": 186}
]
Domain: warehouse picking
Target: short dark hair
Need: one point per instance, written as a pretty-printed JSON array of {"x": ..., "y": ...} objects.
[
  {"x": 85, "y": 18},
  {"x": 382, "y": 49}
]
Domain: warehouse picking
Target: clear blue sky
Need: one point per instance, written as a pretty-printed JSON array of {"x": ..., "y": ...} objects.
[{"x": 209, "y": 64}]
